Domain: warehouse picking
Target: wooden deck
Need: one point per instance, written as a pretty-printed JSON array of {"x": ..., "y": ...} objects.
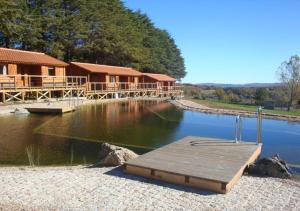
[
  {"x": 211, "y": 164},
  {"x": 51, "y": 109}
]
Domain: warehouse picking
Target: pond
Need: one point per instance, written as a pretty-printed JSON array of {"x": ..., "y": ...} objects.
[{"x": 75, "y": 138}]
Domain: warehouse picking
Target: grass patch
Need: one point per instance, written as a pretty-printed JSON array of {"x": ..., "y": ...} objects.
[{"x": 232, "y": 106}]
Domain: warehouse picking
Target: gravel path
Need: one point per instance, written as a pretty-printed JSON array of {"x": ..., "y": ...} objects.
[{"x": 78, "y": 188}]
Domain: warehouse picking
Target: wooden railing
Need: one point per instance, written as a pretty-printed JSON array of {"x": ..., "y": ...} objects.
[
  {"x": 14, "y": 82},
  {"x": 103, "y": 87},
  {"x": 42, "y": 82}
]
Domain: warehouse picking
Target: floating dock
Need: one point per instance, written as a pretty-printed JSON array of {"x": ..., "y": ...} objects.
[
  {"x": 51, "y": 109},
  {"x": 211, "y": 164}
]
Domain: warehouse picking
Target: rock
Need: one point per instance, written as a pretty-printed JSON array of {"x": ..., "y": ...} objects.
[
  {"x": 111, "y": 155},
  {"x": 21, "y": 111},
  {"x": 270, "y": 166}
]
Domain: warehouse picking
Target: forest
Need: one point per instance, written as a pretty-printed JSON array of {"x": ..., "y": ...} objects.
[{"x": 95, "y": 31}]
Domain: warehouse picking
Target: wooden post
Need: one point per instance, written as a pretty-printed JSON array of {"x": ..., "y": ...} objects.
[
  {"x": 3, "y": 96},
  {"x": 15, "y": 82},
  {"x": 23, "y": 96},
  {"x": 29, "y": 82}
]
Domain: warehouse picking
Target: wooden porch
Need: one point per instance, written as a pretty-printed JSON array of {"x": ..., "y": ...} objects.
[
  {"x": 36, "y": 87},
  {"x": 14, "y": 88},
  {"x": 112, "y": 90}
]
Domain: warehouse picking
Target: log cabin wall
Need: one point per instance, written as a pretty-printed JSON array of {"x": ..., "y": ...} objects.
[
  {"x": 107, "y": 78},
  {"x": 60, "y": 72},
  {"x": 11, "y": 69},
  {"x": 169, "y": 83},
  {"x": 146, "y": 79},
  {"x": 23, "y": 72},
  {"x": 98, "y": 77},
  {"x": 74, "y": 70},
  {"x": 26, "y": 68},
  {"x": 5, "y": 80},
  {"x": 136, "y": 80},
  {"x": 112, "y": 81},
  {"x": 131, "y": 81}
]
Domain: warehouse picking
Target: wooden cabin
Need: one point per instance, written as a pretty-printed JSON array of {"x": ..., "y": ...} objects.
[
  {"x": 27, "y": 69},
  {"x": 105, "y": 77},
  {"x": 162, "y": 81}
]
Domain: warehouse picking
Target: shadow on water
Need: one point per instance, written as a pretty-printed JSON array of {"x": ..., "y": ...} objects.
[{"x": 118, "y": 172}]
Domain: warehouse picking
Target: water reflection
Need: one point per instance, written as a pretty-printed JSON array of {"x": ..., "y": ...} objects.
[
  {"x": 75, "y": 138},
  {"x": 133, "y": 123}
]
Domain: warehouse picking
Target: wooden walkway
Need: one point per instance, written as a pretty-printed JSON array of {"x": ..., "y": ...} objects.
[
  {"x": 211, "y": 164},
  {"x": 49, "y": 109}
]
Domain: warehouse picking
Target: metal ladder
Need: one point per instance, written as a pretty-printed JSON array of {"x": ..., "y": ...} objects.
[{"x": 239, "y": 127}]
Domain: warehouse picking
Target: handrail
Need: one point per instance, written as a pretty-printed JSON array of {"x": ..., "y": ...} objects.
[
  {"x": 119, "y": 86},
  {"x": 39, "y": 81},
  {"x": 259, "y": 125},
  {"x": 52, "y": 82}
]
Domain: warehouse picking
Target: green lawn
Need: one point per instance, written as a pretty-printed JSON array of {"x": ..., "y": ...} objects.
[{"x": 222, "y": 105}]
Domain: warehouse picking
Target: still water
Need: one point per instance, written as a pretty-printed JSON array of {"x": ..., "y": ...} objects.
[{"x": 75, "y": 138}]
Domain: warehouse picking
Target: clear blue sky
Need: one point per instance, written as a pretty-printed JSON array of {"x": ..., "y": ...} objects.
[{"x": 228, "y": 41}]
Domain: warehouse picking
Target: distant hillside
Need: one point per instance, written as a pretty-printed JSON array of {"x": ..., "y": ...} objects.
[{"x": 249, "y": 85}]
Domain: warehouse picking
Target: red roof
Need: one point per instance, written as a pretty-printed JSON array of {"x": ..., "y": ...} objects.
[
  {"x": 111, "y": 70},
  {"x": 14, "y": 56},
  {"x": 159, "y": 77}
]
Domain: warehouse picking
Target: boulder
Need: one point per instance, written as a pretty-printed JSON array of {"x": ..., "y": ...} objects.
[
  {"x": 111, "y": 155},
  {"x": 270, "y": 166},
  {"x": 21, "y": 111}
]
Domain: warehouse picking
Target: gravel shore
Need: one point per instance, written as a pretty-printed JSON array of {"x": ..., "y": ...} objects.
[
  {"x": 79, "y": 188},
  {"x": 190, "y": 105}
]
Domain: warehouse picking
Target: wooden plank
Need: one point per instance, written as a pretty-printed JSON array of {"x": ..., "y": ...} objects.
[
  {"x": 176, "y": 178},
  {"x": 51, "y": 110},
  {"x": 213, "y": 164}
]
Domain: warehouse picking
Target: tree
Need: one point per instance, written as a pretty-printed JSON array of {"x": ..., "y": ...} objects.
[
  {"x": 279, "y": 96},
  {"x": 92, "y": 31},
  {"x": 289, "y": 75},
  {"x": 233, "y": 98},
  {"x": 11, "y": 19},
  {"x": 220, "y": 94},
  {"x": 260, "y": 96}
]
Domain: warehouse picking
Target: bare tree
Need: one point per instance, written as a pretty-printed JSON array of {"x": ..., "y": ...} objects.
[{"x": 289, "y": 75}]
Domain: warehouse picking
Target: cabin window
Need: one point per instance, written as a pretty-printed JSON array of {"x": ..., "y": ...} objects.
[
  {"x": 51, "y": 71},
  {"x": 3, "y": 69},
  {"x": 112, "y": 79}
]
